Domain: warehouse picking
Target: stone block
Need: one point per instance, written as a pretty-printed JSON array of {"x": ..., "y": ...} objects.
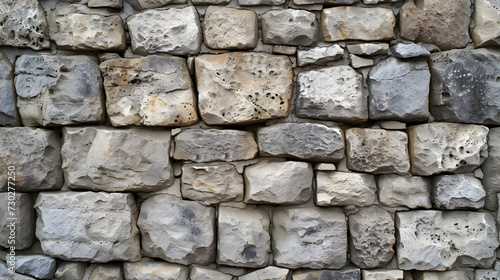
[
  {"x": 404, "y": 191},
  {"x": 457, "y": 191},
  {"x": 386, "y": 274},
  {"x": 289, "y": 27},
  {"x": 368, "y": 49},
  {"x": 319, "y": 55},
  {"x": 154, "y": 269},
  {"x": 335, "y": 188},
  {"x": 39, "y": 266},
  {"x": 411, "y": 50},
  {"x": 18, "y": 209},
  {"x": 200, "y": 273},
  {"x": 115, "y": 4},
  {"x": 491, "y": 170},
  {"x": 70, "y": 270},
  {"x": 268, "y": 273},
  {"x": 8, "y": 110},
  {"x": 103, "y": 272},
  {"x": 486, "y": 26},
  {"x": 344, "y": 274},
  {"x": 148, "y": 4}
]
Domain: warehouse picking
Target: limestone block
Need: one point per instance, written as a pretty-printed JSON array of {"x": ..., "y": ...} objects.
[
  {"x": 268, "y": 273},
  {"x": 319, "y": 55},
  {"x": 371, "y": 2},
  {"x": 386, "y": 274},
  {"x": 200, "y": 273},
  {"x": 154, "y": 269},
  {"x": 8, "y": 110},
  {"x": 326, "y": 2},
  {"x": 93, "y": 160},
  {"x": 446, "y": 275},
  {"x": 103, "y": 272},
  {"x": 310, "y": 237},
  {"x": 39, "y": 266},
  {"x": 486, "y": 274},
  {"x": 447, "y": 147},
  {"x": 59, "y": 90},
  {"x": 393, "y": 82},
  {"x": 229, "y": 28},
  {"x": 96, "y": 227},
  {"x": 411, "y": 50},
  {"x": 457, "y": 191},
  {"x": 70, "y": 270},
  {"x": 435, "y": 240},
  {"x": 8, "y": 274},
  {"x": 486, "y": 26},
  {"x": 210, "y": 2},
  {"x": 115, "y": 4},
  {"x": 281, "y": 49},
  {"x": 360, "y": 62},
  {"x": 260, "y": 2},
  {"x": 289, "y": 27},
  {"x": 357, "y": 23},
  {"x": 308, "y": 141},
  {"x": 444, "y": 23},
  {"x": 491, "y": 170},
  {"x": 332, "y": 93},
  {"x": 243, "y": 87},
  {"x": 344, "y": 274},
  {"x": 148, "y": 4},
  {"x": 177, "y": 230},
  {"x": 336, "y": 188},
  {"x": 404, "y": 191},
  {"x": 377, "y": 151},
  {"x": 152, "y": 90},
  {"x": 173, "y": 31},
  {"x": 368, "y": 49},
  {"x": 18, "y": 210}
]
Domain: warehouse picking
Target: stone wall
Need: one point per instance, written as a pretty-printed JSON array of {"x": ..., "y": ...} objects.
[{"x": 249, "y": 139}]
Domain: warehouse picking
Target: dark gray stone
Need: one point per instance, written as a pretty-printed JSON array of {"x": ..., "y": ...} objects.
[
  {"x": 39, "y": 266},
  {"x": 341, "y": 274},
  {"x": 491, "y": 170},
  {"x": 8, "y": 110}
]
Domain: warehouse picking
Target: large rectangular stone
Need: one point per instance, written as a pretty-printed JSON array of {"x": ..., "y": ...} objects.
[{"x": 18, "y": 209}]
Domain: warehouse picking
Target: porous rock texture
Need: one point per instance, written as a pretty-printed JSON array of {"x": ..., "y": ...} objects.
[
  {"x": 336, "y": 188},
  {"x": 289, "y": 27}
]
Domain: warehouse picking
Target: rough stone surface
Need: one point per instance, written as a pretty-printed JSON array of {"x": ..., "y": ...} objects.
[
  {"x": 386, "y": 274},
  {"x": 148, "y": 4},
  {"x": 173, "y": 31},
  {"x": 445, "y": 275},
  {"x": 229, "y": 28},
  {"x": 326, "y": 2},
  {"x": 356, "y": 23},
  {"x": 444, "y": 23},
  {"x": 491, "y": 170},
  {"x": 368, "y": 49},
  {"x": 486, "y": 274},
  {"x": 115, "y": 4},
  {"x": 239, "y": 87},
  {"x": 154, "y": 269},
  {"x": 98, "y": 227},
  {"x": 281, "y": 49},
  {"x": 311, "y": 237},
  {"x": 20, "y": 211},
  {"x": 486, "y": 26},
  {"x": 260, "y": 2},
  {"x": 200, "y": 273},
  {"x": 319, "y": 55},
  {"x": 403, "y": 50},
  {"x": 153, "y": 91},
  {"x": 344, "y": 274},
  {"x": 289, "y": 27},
  {"x": 59, "y": 90},
  {"x": 404, "y": 191},
  {"x": 307, "y": 141},
  {"x": 360, "y": 62},
  {"x": 335, "y": 188},
  {"x": 465, "y": 86},
  {"x": 268, "y": 273},
  {"x": 393, "y": 82},
  {"x": 458, "y": 191},
  {"x": 92, "y": 160},
  {"x": 39, "y": 266},
  {"x": 8, "y": 109},
  {"x": 8, "y": 274},
  {"x": 104, "y": 272},
  {"x": 70, "y": 270},
  {"x": 447, "y": 147},
  {"x": 177, "y": 230},
  {"x": 210, "y": 2},
  {"x": 332, "y": 93},
  {"x": 371, "y": 2},
  {"x": 435, "y": 240}
]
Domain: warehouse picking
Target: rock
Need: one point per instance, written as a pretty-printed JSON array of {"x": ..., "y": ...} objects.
[
  {"x": 393, "y": 125},
  {"x": 360, "y": 62},
  {"x": 199, "y": 273},
  {"x": 23, "y": 24},
  {"x": 442, "y": 23},
  {"x": 154, "y": 269},
  {"x": 103, "y": 272},
  {"x": 288, "y": 50},
  {"x": 447, "y": 147},
  {"x": 229, "y": 28},
  {"x": 458, "y": 191},
  {"x": 243, "y": 87},
  {"x": 335, "y": 188},
  {"x": 392, "y": 83},
  {"x": 371, "y": 233},
  {"x": 152, "y": 90},
  {"x": 307, "y": 141},
  {"x": 35, "y": 155},
  {"x": 344, "y": 274},
  {"x": 332, "y": 93},
  {"x": 404, "y": 191},
  {"x": 173, "y": 31},
  {"x": 386, "y": 274},
  {"x": 368, "y": 49},
  {"x": 465, "y": 86},
  {"x": 435, "y": 240},
  {"x": 177, "y": 230},
  {"x": 446, "y": 275},
  {"x": 411, "y": 50},
  {"x": 486, "y": 274},
  {"x": 59, "y": 90},
  {"x": 372, "y": 2},
  {"x": 377, "y": 151},
  {"x": 210, "y": 2},
  {"x": 268, "y": 273},
  {"x": 310, "y": 237},
  {"x": 205, "y": 145},
  {"x": 97, "y": 227},
  {"x": 17, "y": 209},
  {"x": 319, "y": 55},
  {"x": 8, "y": 274},
  {"x": 232, "y": 270},
  {"x": 325, "y": 167},
  {"x": 243, "y": 237},
  {"x": 211, "y": 183},
  {"x": 148, "y": 4},
  {"x": 8, "y": 110},
  {"x": 70, "y": 270},
  {"x": 289, "y": 27},
  {"x": 260, "y": 2},
  {"x": 356, "y": 23},
  {"x": 115, "y": 4},
  {"x": 486, "y": 27},
  {"x": 92, "y": 159},
  {"x": 491, "y": 170},
  {"x": 39, "y": 266},
  {"x": 326, "y": 2}
]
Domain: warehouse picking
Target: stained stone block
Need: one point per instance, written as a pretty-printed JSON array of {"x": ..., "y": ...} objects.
[
  {"x": 92, "y": 159},
  {"x": 486, "y": 26},
  {"x": 289, "y": 27},
  {"x": 491, "y": 170},
  {"x": 148, "y": 4},
  {"x": 39, "y": 266},
  {"x": 153, "y": 91},
  {"x": 177, "y": 230},
  {"x": 59, "y": 90},
  {"x": 404, "y": 191},
  {"x": 154, "y": 269},
  {"x": 335, "y": 188},
  {"x": 243, "y": 87},
  {"x": 344, "y": 274},
  {"x": 268, "y": 273},
  {"x": 19, "y": 211},
  {"x": 200, "y": 273},
  {"x": 88, "y": 226},
  {"x": 70, "y": 270},
  {"x": 103, "y": 272},
  {"x": 386, "y": 274},
  {"x": 319, "y": 55},
  {"x": 458, "y": 191},
  {"x": 8, "y": 110}
]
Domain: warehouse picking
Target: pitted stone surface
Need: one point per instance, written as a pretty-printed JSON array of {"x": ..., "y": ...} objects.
[
  {"x": 148, "y": 4},
  {"x": 200, "y": 273},
  {"x": 268, "y": 273},
  {"x": 23, "y": 216},
  {"x": 404, "y": 191},
  {"x": 154, "y": 269},
  {"x": 39, "y": 266},
  {"x": 289, "y": 27},
  {"x": 491, "y": 170},
  {"x": 458, "y": 191},
  {"x": 319, "y": 55},
  {"x": 335, "y": 188},
  {"x": 8, "y": 110},
  {"x": 344, "y": 274},
  {"x": 486, "y": 26}
]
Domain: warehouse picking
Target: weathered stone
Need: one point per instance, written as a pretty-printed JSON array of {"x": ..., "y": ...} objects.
[
  {"x": 446, "y": 275},
  {"x": 23, "y": 24},
  {"x": 148, "y": 4},
  {"x": 319, "y": 55},
  {"x": 447, "y": 147},
  {"x": 59, "y": 90},
  {"x": 372, "y": 2},
  {"x": 356, "y": 23},
  {"x": 311, "y": 237},
  {"x": 335, "y": 188},
  {"x": 360, "y": 62},
  {"x": 154, "y": 269},
  {"x": 393, "y": 82},
  {"x": 153, "y": 90},
  {"x": 177, "y": 230},
  {"x": 8, "y": 274},
  {"x": 386, "y": 274},
  {"x": 368, "y": 49},
  {"x": 211, "y": 183},
  {"x": 465, "y": 86},
  {"x": 377, "y": 151},
  {"x": 199, "y": 273},
  {"x": 403, "y": 50},
  {"x": 8, "y": 109},
  {"x": 18, "y": 209},
  {"x": 444, "y": 23},
  {"x": 34, "y": 156},
  {"x": 344, "y": 274},
  {"x": 70, "y": 270},
  {"x": 92, "y": 159},
  {"x": 115, "y": 4},
  {"x": 229, "y": 28},
  {"x": 210, "y": 2},
  {"x": 39, "y": 266},
  {"x": 491, "y": 170},
  {"x": 486, "y": 26},
  {"x": 326, "y": 2},
  {"x": 88, "y": 226},
  {"x": 393, "y": 125},
  {"x": 486, "y": 274},
  {"x": 268, "y": 273},
  {"x": 435, "y": 240},
  {"x": 325, "y": 167},
  {"x": 243, "y": 237},
  {"x": 289, "y": 27},
  {"x": 332, "y": 93},
  {"x": 260, "y": 2},
  {"x": 204, "y": 145},
  {"x": 281, "y": 49},
  {"x": 457, "y": 191},
  {"x": 404, "y": 191},
  {"x": 243, "y": 87},
  {"x": 173, "y": 31},
  {"x": 103, "y": 272}
]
